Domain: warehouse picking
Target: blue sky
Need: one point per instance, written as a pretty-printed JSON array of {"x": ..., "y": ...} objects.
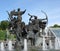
[{"x": 34, "y": 7}]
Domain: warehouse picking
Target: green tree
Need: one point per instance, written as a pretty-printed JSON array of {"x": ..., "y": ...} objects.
[
  {"x": 2, "y": 34},
  {"x": 55, "y": 26},
  {"x": 4, "y": 25},
  {"x": 0, "y": 27}
]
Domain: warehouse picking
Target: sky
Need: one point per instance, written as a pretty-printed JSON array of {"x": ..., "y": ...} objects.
[{"x": 34, "y": 7}]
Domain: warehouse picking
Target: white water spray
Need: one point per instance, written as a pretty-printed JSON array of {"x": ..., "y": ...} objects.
[
  {"x": 10, "y": 45},
  {"x": 57, "y": 43},
  {"x": 2, "y": 46},
  {"x": 44, "y": 44},
  {"x": 50, "y": 44},
  {"x": 25, "y": 44}
]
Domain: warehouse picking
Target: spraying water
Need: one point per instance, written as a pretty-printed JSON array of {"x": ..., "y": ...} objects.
[
  {"x": 10, "y": 45},
  {"x": 50, "y": 44},
  {"x": 2, "y": 46},
  {"x": 57, "y": 43},
  {"x": 25, "y": 44},
  {"x": 44, "y": 44}
]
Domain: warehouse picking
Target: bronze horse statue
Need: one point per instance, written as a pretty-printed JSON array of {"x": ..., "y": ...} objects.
[
  {"x": 26, "y": 31},
  {"x": 34, "y": 26},
  {"x": 40, "y": 23},
  {"x": 15, "y": 23}
]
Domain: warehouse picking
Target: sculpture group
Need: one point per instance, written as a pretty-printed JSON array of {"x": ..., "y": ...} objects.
[{"x": 21, "y": 30}]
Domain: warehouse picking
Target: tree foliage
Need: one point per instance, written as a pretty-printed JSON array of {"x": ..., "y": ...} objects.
[
  {"x": 4, "y": 25},
  {"x": 55, "y": 26},
  {"x": 2, "y": 34}
]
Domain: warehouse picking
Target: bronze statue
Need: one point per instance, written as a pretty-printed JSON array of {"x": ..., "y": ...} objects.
[
  {"x": 35, "y": 24},
  {"x": 15, "y": 23},
  {"x": 16, "y": 13},
  {"x": 22, "y": 30}
]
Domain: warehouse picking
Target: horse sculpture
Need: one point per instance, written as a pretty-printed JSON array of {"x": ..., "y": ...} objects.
[
  {"x": 15, "y": 23},
  {"x": 34, "y": 26},
  {"x": 28, "y": 31}
]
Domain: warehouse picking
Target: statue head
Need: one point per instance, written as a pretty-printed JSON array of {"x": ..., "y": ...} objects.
[
  {"x": 18, "y": 9},
  {"x": 35, "y": 17}
]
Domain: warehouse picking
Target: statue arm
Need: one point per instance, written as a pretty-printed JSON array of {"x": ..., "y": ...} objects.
[
  {"x": 8, "y": 13},
  {"x": 30, "y": 17},
  {"x": 22, "y": 12},
  {"x": 10, "y": 17}
]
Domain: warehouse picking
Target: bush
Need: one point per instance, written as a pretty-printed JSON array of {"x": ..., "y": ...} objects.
[{"x": 2, "y": 34}]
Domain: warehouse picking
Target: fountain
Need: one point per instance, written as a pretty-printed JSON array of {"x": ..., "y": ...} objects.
[
  {"x": 25, "y": 44},
  {"x": 2, "y": 46},
  {"x": 10, "y": 45},
  {"x": 50, "y": 44},
  {"x": 20, "y": 29},
  {"x": 57, "y": 43},
  {"x": 44, "y": 44}
]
